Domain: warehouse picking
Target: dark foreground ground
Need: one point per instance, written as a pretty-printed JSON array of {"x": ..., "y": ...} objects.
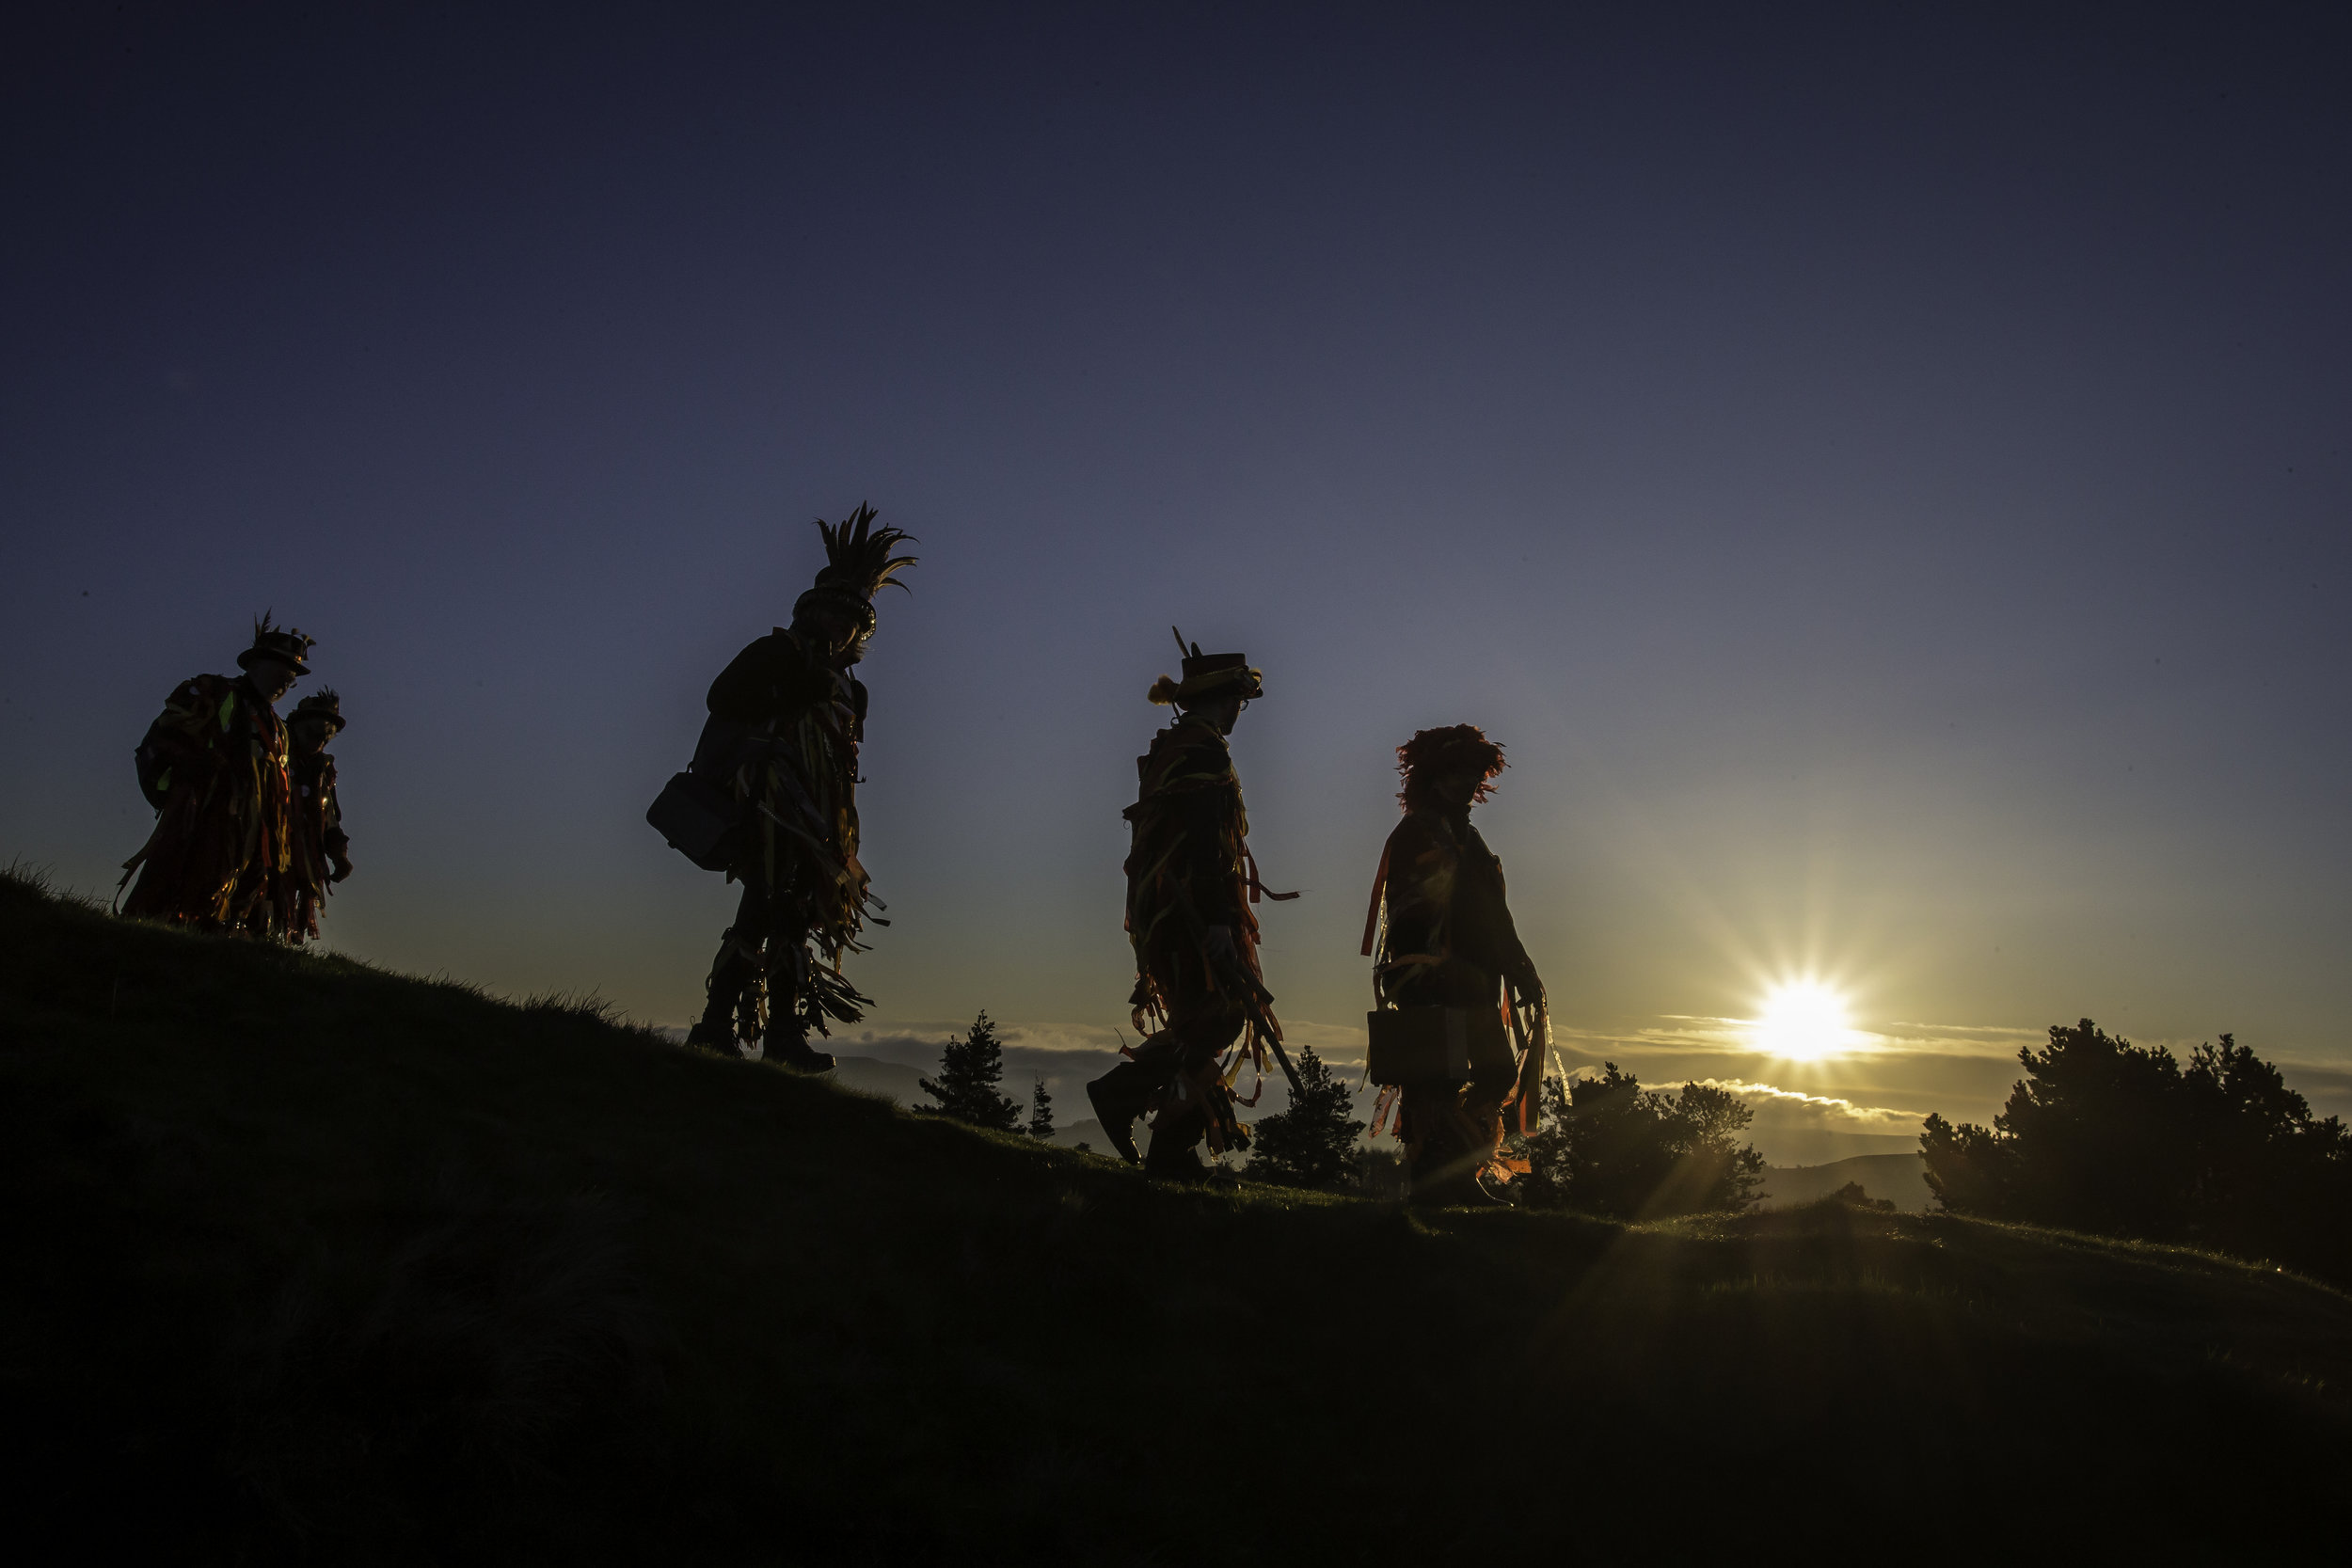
[{"x": 306, "y": 1260}]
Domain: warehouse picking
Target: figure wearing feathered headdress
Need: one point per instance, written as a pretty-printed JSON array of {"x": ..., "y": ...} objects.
[
  {"x": 213, "y": 766},
  {"x": 1191, "y": 881},
  {"x": 782, "y": 744}
]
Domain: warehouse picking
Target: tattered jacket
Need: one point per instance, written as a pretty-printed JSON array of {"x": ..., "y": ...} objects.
[{"x": 223, "y": 853}]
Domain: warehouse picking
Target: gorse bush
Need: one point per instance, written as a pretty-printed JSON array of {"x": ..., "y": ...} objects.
[
  {"x": 1610, "y": 1146},
  {"x": 2108, "y": 1136}
]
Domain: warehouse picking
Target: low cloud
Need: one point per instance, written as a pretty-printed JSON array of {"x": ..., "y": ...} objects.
[
  {"x": 1688, "y": 1034},
  {"x": 1781, "y": 1110}
]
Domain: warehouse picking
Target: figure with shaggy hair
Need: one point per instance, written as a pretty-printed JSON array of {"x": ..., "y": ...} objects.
[
  {"x": 1446, "y": 942},
  {"x": 782, "y": 741},
  {"x": 214, "y": 766},
  {"x": 1190, "y": 883},
  {"x": 322, "y": 849}
]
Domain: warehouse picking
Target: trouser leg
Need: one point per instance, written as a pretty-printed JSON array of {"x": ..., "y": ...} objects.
[
  {"x": 789, "y": 964},
  {"x": 1201, "y": 1029},
  {"x": 1451, "y": 1131},
  {"x": 735, "y": 970}
]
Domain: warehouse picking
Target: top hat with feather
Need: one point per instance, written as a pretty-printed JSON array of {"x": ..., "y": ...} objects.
[
  {"x": 1207, "y": 677},
  {"x": 284, "y": 644}
]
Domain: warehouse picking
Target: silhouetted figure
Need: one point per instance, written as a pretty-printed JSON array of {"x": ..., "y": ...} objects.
[
  {"x": 1190, "y": 882},
  {"x": 1449, "y": 964},
  {"x": 322, "y": 849},
  {"x": 781, "y": 744},
  {"x": 213, "y": 766}
]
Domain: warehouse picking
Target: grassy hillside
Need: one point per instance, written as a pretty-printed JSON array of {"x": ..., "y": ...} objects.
[{"x": 313, "y": 1262}]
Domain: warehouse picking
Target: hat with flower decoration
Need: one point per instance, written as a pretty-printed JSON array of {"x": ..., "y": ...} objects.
[
  {"x": 284, "y": 644},
  {"x": 1207, "y": 677}
]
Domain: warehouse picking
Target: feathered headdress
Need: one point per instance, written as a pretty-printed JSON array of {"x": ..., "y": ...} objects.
[
  {"x": 857, "y": 562},
  {"x": 1206, "y": 676},
  {"x": 322, "y": 705}
]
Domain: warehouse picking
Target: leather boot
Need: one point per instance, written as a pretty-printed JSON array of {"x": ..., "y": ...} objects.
[
  {"x": 791, "y": 1050},
  {"x": 1118, "y": 1100},
  {"x": 1174, "y": 1139}
]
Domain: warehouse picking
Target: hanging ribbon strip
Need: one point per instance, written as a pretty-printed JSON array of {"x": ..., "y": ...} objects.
[
  {"x": 1249, "y": 876},
  {"x": 1371, "y": 915}
]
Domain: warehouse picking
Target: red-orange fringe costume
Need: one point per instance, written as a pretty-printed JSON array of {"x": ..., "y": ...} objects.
[
  {"x": 1190, "y": 871},
  {"x": 1446, "y": 939},
  {"x": 222, "y": 856}
]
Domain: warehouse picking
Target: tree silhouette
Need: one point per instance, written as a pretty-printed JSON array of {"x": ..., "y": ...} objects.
[
  {"x": 1610, "y": 1146},
  {"x": 1313, "y": 1142},
  {"x": 969, "y": 1072},
  {"x": 1041, "y": 1110},
  {"x": 2105, "y": 1135}
]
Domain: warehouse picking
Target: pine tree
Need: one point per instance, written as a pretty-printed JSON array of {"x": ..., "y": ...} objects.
[
  {"x": 969, "y": 1071},
  {"x": 1041, "y": 1111},
  {"x": 1313, "y": 1142}
]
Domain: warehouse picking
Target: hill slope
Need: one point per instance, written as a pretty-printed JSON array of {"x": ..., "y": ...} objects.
[
  {"x": 1899, "y": 1178},
  {"x": 311, "y": 1260}
]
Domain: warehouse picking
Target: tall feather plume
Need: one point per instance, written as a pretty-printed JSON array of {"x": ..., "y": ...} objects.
[{"x": 857, "y": 554}]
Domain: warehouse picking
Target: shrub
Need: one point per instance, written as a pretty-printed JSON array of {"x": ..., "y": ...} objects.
[
  {"x": 1612, "y": 1147},
  {"x": 1313, "y": 1142},
  {"x": 2108, "y": 1136}
]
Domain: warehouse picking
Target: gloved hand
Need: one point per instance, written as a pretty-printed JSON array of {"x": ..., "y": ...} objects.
[{"x": 341, "y": 864}]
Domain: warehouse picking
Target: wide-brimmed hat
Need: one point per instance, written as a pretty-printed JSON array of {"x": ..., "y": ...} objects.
[
  {"x": 1207, "y": 676},
  {"x": 321, "y": 704},
  {"x": 285, "y": 644}
]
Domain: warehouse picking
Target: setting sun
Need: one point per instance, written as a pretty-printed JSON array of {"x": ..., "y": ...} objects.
[{"x": 1802, "y": 1019}]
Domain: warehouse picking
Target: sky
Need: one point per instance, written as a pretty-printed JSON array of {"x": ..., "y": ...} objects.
[{"x": 1880, "y": 471}]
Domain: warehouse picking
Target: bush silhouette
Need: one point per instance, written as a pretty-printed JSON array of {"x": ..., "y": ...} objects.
[
  {"x": 1855, "y": 1195},
  {"x": 2108, "y": 1136},
  {"x": 1612, "y": 1147},
  {"x": 1313, "y": 1142}
]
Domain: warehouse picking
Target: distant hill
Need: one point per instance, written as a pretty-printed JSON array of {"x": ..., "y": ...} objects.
[
  {"x": 311, "y": 1261},
  {"x": 1901, "y": 1179},
  {"x": 1787, "y": 1146},
  {"x": 902, "y": 1086}
]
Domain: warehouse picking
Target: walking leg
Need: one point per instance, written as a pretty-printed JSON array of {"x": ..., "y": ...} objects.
[{"x": 735, "y": 970}]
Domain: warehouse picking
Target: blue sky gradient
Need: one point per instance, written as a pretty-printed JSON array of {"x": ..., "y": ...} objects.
[{"x": 1883, "y": 478}]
